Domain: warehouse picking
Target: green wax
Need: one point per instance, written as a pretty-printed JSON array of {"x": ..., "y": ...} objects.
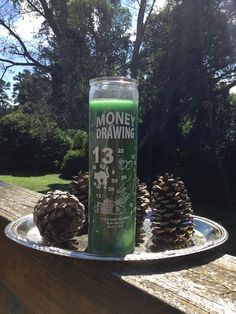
[{"x": 112, "y": 169}]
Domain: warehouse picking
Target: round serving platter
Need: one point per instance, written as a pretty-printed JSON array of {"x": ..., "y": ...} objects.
[{"x": 208, "y": 234}]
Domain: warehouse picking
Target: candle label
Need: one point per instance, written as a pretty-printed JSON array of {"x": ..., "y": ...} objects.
[
  {"x": 113, "y": 145},
  {"x": 115, "y": 125}
]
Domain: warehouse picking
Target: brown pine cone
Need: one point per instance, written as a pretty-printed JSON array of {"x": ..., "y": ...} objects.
[
  {"x": 58, "y": 216},
  {"x": 143, "y": 202},
  {"x": 79, "y": 187},
  {"x": 172, "y": 214}
]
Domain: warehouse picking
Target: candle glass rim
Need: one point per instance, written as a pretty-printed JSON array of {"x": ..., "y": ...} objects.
[{"x": 113, "y": 79}]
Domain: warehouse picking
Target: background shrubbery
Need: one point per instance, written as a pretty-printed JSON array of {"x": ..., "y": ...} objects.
[
  {"x": 31, "y": 142},
  {"x": 76, "y": 159}
]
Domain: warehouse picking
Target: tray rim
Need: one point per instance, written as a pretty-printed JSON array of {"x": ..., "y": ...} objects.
[{"x": 145, "y": 256}]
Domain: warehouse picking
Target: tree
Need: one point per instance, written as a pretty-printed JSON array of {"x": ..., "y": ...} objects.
[
  {"x": 4, "y": 98},
  {"x": 96, "y": 45},
  {"x": 187, "y": 68},
  {"x": 145, "y": 10},
  {"x": 32, "y": 91},
  {"x": 85, "y": 39},
  {"x": 141, "y": 11}
]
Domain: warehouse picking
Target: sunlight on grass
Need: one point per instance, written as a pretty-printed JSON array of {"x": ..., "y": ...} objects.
[{"x": 42, "y": 183}]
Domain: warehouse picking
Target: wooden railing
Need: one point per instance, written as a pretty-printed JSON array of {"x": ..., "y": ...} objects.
[{"x": 37, "y": 282}]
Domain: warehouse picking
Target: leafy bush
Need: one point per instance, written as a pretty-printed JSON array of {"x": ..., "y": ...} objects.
[
  {"x": 73, "y": 162},
  {"x": 31, "y": 142},
  {"x": 79, "y": 139},
  {"x": 76, "y": 158}
]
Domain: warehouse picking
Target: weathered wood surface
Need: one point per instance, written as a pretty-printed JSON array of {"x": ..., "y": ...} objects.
[{"x": 37, "y": 282}]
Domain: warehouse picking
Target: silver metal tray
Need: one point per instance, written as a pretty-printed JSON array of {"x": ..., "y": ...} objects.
[{"x": 208, "y": 234}]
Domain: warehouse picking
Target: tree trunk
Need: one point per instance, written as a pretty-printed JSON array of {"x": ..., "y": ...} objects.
[{"x": 139, "y": 38}]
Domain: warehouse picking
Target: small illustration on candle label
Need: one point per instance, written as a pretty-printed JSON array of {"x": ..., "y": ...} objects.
[
  {"x": 124, "y": 164},
  {"x": 109, "y": 206},
  {"x": 101, "y": 178},
  {"x": 106, "y": 207}
]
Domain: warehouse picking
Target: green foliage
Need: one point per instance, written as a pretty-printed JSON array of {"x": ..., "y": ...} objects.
[
  {"x": 232, "y": 99},
  {"x": 187, "y": 69},
  {"x": 232, "y": 125},
  {"x": 4, "y": 98},
  {"x": 76, "y": 159},
  {"x": 188, "y": 119},
  {"x": 79, "y": 139},
  {"x": 186, "y": 126},
  {"x": 32, "y": 91},
  {"x": 93, "y": 41},
  {"x": 73, "y": 162},
  {"x": 104, "y": 24},
  {"x": 30, "y": 142}
]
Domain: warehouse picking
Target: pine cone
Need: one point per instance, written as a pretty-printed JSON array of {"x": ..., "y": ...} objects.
[
  {"x": 58, "y": 216},
  {"x": 79, "y": 187},
  {"x": 172, "y": 215},
  {"x": 143, "y": 202}
]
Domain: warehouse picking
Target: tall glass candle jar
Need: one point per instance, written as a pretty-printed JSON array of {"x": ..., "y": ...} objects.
[{"x": 113, "y": 108}]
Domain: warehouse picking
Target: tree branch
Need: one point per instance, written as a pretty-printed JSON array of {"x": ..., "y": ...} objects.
[
  {"x": 5, "y": 70},
  {"x": 35, "y": 8},
  {"x": 2, "y": 5},
  {"x": 141, "y": 26},
  {"x": 225, "y": 75},
  {"x": 139, "y": 38},
  {"x": 48, "y": 14},
  {"x": 12, "y": 64},
  {"x": 15, "y": 63},
  {"x": 25, "y": 50},
  {"x": 149, "y": 15},
  {"x": 229, "y": 86}
]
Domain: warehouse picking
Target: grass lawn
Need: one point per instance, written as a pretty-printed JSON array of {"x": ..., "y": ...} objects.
[{"x": 39, "y": 183}]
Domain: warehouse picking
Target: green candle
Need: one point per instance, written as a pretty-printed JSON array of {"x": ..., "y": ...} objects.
[{"x": 112, "y": 158}]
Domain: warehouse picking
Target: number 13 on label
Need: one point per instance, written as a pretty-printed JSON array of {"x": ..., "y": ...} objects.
[{"x": 108, "y": 155}]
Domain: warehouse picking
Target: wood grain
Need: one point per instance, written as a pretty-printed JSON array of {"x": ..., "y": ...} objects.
[
  {"x": 45, "y": 283},
  {"x": 53, "y": 284},
  {"x": 208, "y": 288},
  {"x": 16, "y": 202}
]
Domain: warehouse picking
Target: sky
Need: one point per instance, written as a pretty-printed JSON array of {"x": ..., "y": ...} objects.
[
  {"x": 29, "y": 25},
  {"x": 159, "y": 4}
]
